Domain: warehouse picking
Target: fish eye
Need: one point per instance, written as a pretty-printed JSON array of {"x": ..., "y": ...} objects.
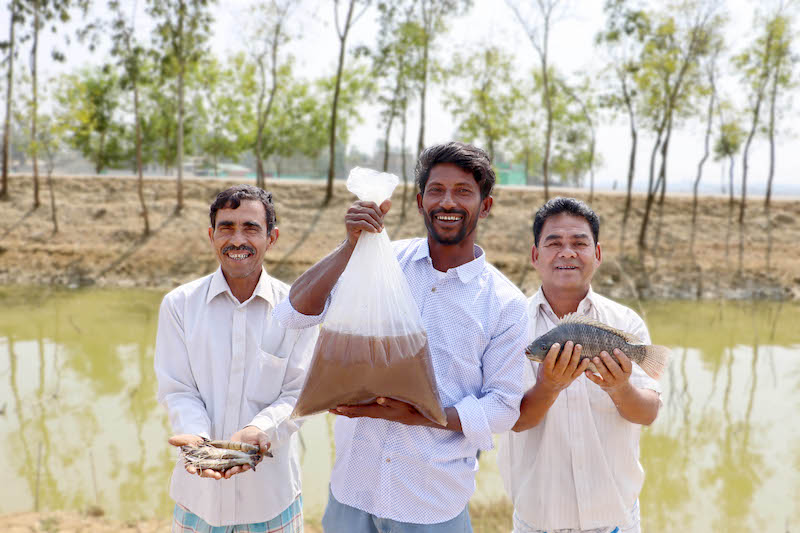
[{"x": 543, "y": 347}]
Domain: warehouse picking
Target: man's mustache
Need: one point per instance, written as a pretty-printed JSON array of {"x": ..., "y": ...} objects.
[{"x": 242, "y": 247}]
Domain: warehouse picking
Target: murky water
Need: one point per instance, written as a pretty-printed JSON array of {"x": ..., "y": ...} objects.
[{"x": 80, "y": 426}]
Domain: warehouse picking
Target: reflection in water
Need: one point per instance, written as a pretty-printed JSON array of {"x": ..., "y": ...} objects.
[{"x": 82, "y": 426}]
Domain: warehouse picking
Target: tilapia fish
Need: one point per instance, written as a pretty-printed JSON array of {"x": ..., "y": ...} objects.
[
  {"x": 221, "y": 455},
  {"x": 596, "y": 337}
]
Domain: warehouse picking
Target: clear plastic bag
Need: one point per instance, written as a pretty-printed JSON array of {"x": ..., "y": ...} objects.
[{"x": 372, "y": 341}]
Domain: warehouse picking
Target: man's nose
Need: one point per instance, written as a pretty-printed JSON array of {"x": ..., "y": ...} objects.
[
  {"x": 448, "y": 200},
  {"x": 567, "y": 251}
]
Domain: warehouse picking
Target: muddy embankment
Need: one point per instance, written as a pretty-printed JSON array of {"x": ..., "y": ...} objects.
[{"x": 100, "y": 241}]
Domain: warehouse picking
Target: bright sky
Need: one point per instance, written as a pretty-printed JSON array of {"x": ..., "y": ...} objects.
[{"x": 492, "y": 22}]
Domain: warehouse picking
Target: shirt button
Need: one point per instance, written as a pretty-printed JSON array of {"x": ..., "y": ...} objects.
[
  {"x": 433, "y": 289},
  {"x": 388, "y": 460}
]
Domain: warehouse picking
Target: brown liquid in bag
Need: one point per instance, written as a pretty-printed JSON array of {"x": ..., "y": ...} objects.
[{"x": 356, "y": 369}]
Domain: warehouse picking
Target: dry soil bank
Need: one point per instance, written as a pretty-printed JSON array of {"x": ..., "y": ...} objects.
[{"x": 100, "y": 240}]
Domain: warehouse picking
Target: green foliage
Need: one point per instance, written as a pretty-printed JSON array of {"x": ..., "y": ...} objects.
[
  {"x": 356, "y": 87},
  {"x": 89, "y": 108},
  {"x": 485, "y": 110},
  {"x": 729, "y": 139},
  {"x": 571, "y": 149}
]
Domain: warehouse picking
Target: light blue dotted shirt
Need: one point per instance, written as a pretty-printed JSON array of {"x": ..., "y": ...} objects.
[{"x": 476, "y": 321}]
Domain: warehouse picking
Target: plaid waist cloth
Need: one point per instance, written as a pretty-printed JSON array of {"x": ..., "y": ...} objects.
[{"x": 289, "y": 521}]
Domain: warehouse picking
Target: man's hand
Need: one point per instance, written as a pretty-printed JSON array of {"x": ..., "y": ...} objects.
[
  {"x": 386, "y": 409},
  {"x": 557, "y": 371},
  {"x": 193, "y": 440},
  {"x": 364, "y": 216},
  {"x": 250, "y": 435},
  {"x": 614, "y": 376}
]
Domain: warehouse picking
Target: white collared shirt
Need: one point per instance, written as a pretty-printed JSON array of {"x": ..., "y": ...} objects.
[
  {"x": 223, "y": 365},
  {"x": 476, "y": 321},
  {"x": 579, "y": 467}
]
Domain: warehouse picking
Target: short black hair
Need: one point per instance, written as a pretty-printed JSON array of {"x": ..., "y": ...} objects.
[
  {"x": 232, "y": 197},
  {"x": 559, "y": 205},
  {"x": 467, "y": 157}
]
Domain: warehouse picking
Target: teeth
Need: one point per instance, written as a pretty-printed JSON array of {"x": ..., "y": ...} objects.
[
  {"x": 237, "y": 256},
  {"x": 448, "y": 218}
]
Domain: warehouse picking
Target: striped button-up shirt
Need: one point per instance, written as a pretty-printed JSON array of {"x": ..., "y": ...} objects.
[
  {"x": 579, "y": 467},
  {"x": 223, "y": 365},
  {"x": 476, "y": 321}
]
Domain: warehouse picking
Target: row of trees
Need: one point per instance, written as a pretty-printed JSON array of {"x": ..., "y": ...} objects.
[{"x": 153, "y": 103}]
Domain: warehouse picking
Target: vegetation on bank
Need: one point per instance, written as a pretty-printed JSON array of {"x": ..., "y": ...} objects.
[{"x": 99, "y": 241}]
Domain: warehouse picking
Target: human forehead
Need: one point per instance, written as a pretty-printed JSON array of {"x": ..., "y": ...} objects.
[
  {"x": 450, "y": 174},
  {"x": 248, "y": 210},
  {"x": 565, "y": 225}
]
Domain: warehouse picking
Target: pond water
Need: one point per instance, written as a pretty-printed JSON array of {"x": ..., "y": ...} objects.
[{"x": 80, "y": 425}]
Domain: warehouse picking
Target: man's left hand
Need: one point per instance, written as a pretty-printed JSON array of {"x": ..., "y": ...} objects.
[
  {"x": 613, "y": 375},
  {"x": 250, "y": 435},
  {"x": 386, "y": 409}
]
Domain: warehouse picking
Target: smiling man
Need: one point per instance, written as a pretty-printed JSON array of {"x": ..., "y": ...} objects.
[
  {"x": 395, "y": 470},
  {"x": 571, "y": 463},
  {"x": 227, "y": 370}
]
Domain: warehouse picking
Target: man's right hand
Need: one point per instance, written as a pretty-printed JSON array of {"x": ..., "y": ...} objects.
[
  {"x": 365, "y": 216},
  {"x": 557, "y": 371},
  {"x": 193, "y": 440}
]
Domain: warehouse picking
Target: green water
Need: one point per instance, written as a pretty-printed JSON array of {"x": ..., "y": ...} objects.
[{"x": 80, "y": 426}]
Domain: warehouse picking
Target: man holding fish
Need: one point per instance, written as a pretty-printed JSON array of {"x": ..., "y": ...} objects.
[
  {"x": 227, "y": 370},
  {"x": 571, "y": 463}
]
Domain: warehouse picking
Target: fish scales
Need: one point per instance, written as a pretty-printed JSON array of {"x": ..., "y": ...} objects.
[{"x": 595, "y": 337}]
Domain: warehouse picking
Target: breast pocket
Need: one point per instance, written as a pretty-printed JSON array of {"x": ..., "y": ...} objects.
[{"x": 266, "y": 378}]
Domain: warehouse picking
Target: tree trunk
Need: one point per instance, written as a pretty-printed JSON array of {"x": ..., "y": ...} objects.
[
  {"x": 404, "y": 123},
  {"x": 423, "y": 91},
  {"x": 337, "y": 89},
  {"x": 10, "y": 82},
  {"x": 34, "y": 151},
  {"x": 650, "y": 188},
  {"x": 53, "y": 215},
  {"x": 549, "y": 129},
  {"x": 140, "y": 180},
  {"x": 631, "y": 165},
  {"x": 386, "y": 140},
  {"x": 707, "y": 143},
  {"x": 771, "y": 173},
  {"x": 181, "y": 73}
]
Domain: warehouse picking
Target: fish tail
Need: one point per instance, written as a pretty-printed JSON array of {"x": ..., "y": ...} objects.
[{"x": 655, "y": 360}]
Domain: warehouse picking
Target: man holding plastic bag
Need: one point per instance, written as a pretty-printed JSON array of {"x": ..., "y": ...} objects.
[{"x": 396, "y": 468}]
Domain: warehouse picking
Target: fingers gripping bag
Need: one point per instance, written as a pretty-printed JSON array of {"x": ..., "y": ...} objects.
[{"x": 372, "y": 342}]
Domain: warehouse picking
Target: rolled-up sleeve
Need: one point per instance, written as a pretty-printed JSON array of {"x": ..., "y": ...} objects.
[
  {"x": 177, "y": 389},
  {"x": 275, "y": 420},
  {"x": 290, "y": 318},
  {"x": 497, "y": 409}
]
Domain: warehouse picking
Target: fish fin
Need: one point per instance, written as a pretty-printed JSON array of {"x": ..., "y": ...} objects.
[
  {"x": 655, "y": 360},
  {"x": 575, "y": 318}
]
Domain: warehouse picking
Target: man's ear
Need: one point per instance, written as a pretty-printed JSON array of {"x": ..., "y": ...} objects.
[
  {"x": 598, "y": 255},
  {"x": 419, "y": 203},
  {"x": 211, "y": 235},
  {"x": 272, "y": 238},
  {"x": 534, "y": 255},
  {"x": 486, "y": 206}
]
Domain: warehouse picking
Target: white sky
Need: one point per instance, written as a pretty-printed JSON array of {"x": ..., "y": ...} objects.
[{"x": 492, "y": 22}]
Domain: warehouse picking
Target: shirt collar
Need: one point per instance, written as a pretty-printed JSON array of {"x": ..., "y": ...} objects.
[
  {"x": 466, "y": 272},
  {"x": 219, "y": 285},
  {"x": 586, "y": 305}
]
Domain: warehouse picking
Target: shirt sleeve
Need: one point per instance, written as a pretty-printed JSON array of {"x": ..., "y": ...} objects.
[
  {"x": 290, "y": 318},
  {"x": 638, "y": 376},
  {"x": 177, "y": 389},
  {"x": 497, "y": 409},
  {"x": 275, "y": 420}
]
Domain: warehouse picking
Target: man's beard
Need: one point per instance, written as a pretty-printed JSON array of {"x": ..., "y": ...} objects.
[{"x": 467, "y": 227}]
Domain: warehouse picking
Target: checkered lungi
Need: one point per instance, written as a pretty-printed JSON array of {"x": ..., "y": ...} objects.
[{"x": 289, "y": 521}]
